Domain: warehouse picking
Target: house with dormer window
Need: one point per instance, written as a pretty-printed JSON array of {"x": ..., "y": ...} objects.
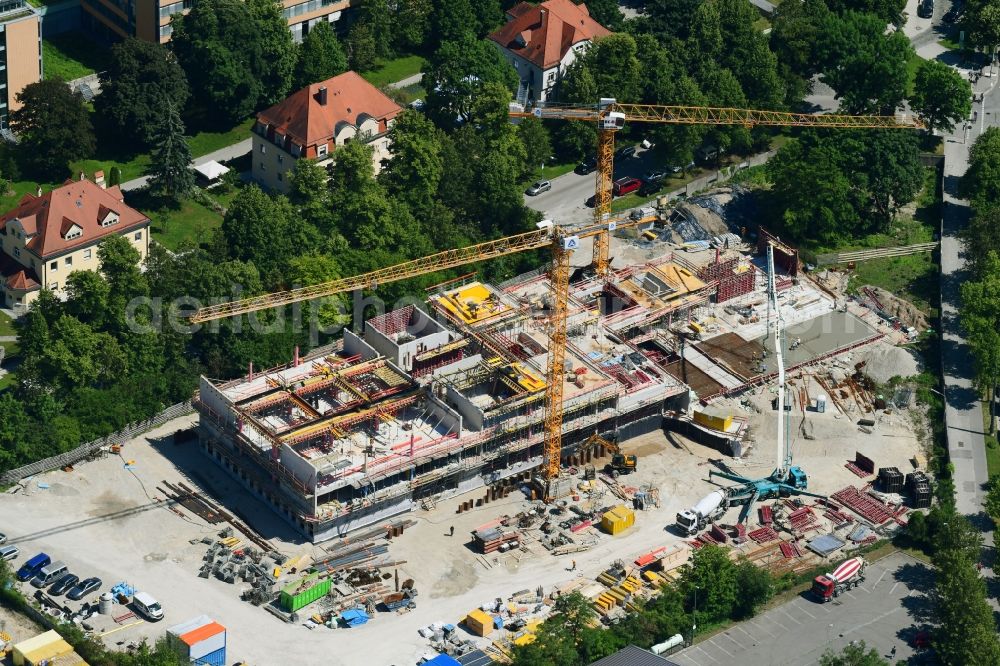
[
  {"x": 541, "y": 41},
  {"x": 48, "y": 236}
]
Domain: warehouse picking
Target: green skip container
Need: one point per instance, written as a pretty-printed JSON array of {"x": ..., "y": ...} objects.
[{"x": 303, "y": 592}]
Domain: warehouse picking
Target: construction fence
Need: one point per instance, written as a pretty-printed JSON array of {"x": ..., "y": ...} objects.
[{"x": 85, "y": 450}]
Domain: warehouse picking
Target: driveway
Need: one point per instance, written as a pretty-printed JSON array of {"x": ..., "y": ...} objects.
[{"x": 885, "y": 611}]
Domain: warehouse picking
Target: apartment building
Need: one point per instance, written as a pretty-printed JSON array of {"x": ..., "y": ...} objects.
[
  {"x": 150, "y": 19},
  {"x": 48, "y": 236},
  {"x": 311, "y": 122},
  {"x": 20, "y": 52},
  {"x": 541, "y": 41}
]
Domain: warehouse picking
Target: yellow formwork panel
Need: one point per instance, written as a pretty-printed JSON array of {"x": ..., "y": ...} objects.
[{"x": 473, "y": 303}]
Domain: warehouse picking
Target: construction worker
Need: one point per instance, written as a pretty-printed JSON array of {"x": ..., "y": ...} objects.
[
  {"x": 452, "y": 531},
  {"x": 892, "y": 652},
  {"x": 573, "y": 568}
]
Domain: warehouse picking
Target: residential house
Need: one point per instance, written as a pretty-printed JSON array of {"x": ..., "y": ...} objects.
[
  {"x": 48, "y": 236},
  {"x": 150, "y": 19},
  {"x": 313, "y": 121},
  {"x": 20, "y": 52},
  {"x": 541, "y": 41}
]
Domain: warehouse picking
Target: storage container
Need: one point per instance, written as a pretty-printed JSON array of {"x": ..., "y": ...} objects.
[
  {"x": 715, "y": 419},
  {"x": 479, "y": 622},
  {"x": 303, "y": 592},
  {"x": 617, "y": 520},
  {"x": 217, "y": 658}
]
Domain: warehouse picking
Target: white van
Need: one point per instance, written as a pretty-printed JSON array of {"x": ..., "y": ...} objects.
[
  {"x": 148, "y": 606},
  {"x": 48, "y": 574}
]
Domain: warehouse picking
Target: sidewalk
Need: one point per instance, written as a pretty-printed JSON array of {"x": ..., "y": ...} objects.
[{"x": 221, "y": 155}]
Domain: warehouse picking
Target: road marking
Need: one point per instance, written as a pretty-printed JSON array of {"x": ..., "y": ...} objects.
[
  {"x": 728, "y": 653},
  {"x": 874, "y": 620},
  {"x": 762, "y": 628},
  {"x": 879, "y": 580},
  {"x": 730, "y": 637},
  {"x": 690, "y": 658},
  {"x": 803, "y": 610},
  {"x": 702, "y": 650},
  {"x": 748, "y": 635},
  {"x": 789, "y": 616},
  {"x": 893, "y": 588},
  {"x": 848, "y": 593}
]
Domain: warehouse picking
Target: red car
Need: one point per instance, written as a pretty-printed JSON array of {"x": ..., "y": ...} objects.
[{"x": 624, "y": 186}]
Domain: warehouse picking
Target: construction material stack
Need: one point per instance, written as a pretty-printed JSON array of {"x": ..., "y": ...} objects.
[
  {"x": 890, "y": 480},
  {"x": 200, "y": 640},
  {"x": 919, "y": 487}
]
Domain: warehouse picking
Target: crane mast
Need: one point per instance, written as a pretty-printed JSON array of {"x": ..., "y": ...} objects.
[{"x": 783, "y": 457}]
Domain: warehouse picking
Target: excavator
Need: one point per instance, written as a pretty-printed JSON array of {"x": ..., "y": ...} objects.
[{"x": 620, "y": 462}]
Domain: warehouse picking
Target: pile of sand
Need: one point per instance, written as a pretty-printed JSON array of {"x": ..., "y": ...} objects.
[
  {"x": 884, "y": 361},
  {"x": 907, "y": 313}
]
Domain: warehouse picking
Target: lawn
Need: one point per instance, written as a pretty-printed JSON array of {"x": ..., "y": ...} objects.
[
  {"x": 204, "y": 143},
  {"x": 72, "y": 55},
  {"x": 992, "y": 446},
  {"x": 6, "y": 326},
  {"x": 17, "y": 190},
  {"x": 915, "y": 278},
  {"x": 390, "y": 71},
  {"x": 191, "y": 222},
  {"x": 912, "y": 65}
]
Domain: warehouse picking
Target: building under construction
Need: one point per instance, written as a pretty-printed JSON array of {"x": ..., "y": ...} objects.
[{"x": 431, "y": 403}]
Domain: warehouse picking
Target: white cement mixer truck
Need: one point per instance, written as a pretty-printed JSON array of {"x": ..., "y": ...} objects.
[{"x": 711, "y": 507}]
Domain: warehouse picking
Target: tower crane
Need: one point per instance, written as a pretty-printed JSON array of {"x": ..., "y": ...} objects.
[
  {"x": 611, "y": 116},
  {"x": 562, "y": 241}
]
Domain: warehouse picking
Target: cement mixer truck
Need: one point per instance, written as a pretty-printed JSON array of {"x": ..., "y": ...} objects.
[
  {"x": 848, "y": 575},
  {"x": 698, "y": 517}
]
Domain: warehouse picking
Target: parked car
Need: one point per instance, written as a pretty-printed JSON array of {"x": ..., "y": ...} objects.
[
  {"x": 625, "y": 153},
  {"x": 586, "y": 166},
  {"x": 3, "y": 538},
  {"x": 49, "y": 574},
  {"x": 31, "y": 568},
  {"x": 654, "y": 174},
  {"x": 538, "y": 187},
  {"x": 925, "y": 9},
  {"x": 63, "y": 584},
  {"x": 952, "y": 15},
  {"x": 650, "y": 187},
  {"x": 679, "y": 168},
  {"x": 624, "y": 186},
  {"x": 83, "y": 588},
  {"x": 147, "y": 606},
  {"x": 706, "y": 153},
  {"x": 8, "y": 553}
]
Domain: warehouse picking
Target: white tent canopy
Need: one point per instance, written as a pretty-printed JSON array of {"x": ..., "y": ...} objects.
[{"x": 211, "y": 170}]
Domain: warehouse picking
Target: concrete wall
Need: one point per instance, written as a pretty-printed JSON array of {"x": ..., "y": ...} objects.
[
  {"x": 472, "y": 416},
  {"x": 23, "y": 51},
  {"x": 354, "y": 345},
  {"x": 300, "y": 468}
]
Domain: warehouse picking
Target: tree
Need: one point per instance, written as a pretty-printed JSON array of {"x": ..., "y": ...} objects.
[
  {"x": 320, "y": 56},
  {"x": 605, "y": 12},
  {"x": 981, "y": 182},
  {"x": 941, "y": 96},
  {"x": 853, "y": 654},
  {"x": 865, "y": 66},
  {"x": 709, "y": 582},
  {"x": 414, "y": 171},
  {"x": 671, "y": 17},
  {"x": 275, "y": 53},
  {"x": 614, "y": 64},
  {"x": 251, "y": 225},
  {"x": 362, "y": 49},
  {"x": 53, "y": 126},
  {"x": 888, "y": 11},
  {"x": 454, "y": 21},
  {"x": 992, "y": 502},
  {"x": 755, "y": 589},
  {"x": 982, "y": 233},
  {"x": 170, "y": 173},
  {"x": 376, "y": 16},
  {"x": 77, "y": 356},
  {"x": 981, "y": 320},
  {"x": 413, "y": 23},
  {"x": 140, "y": 80},
  {"x": 747, "y": 55},
  {"x": 981, "y": 22},
  {"x": 795, "y": 32},
  {"x": 537, "y": 147},
  {"x": 455, "y": 74},
  {"x": 115, "y": 176},
  {"x": 968, "y": 633}
]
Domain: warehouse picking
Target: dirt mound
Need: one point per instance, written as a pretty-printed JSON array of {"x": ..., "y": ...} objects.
[
  {"x": 907, "y": 313},
  {"x": 884, "y": 361}
]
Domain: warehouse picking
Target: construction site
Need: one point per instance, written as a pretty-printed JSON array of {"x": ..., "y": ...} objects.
[{"x": 667, "y": 381}]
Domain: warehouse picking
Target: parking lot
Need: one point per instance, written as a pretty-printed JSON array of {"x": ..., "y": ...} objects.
[{"x": 886, "y": 610}]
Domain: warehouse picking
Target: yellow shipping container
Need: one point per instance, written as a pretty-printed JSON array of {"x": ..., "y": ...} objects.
[
  {"x": 618, "y": 519},
  {"x": 45, "y": 648},
  {"x": 714, "y": 419},
  {"x": 479, "y": 622}
]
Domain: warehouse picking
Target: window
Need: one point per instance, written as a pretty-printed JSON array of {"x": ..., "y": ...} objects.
[
  {"x": 74, "y": 234},
  {"x": 86, "y": 254},
  {"x": 321, "y": 150},
  {"x": 281, "y": 159},
  {"x": 54, "y": 266},
  {"x": 17, "y": 252},
  {"x": 552, "y": 77},
  {"x": 138, "y": 235},
  {"x": 263, "y": 148},
  {"x": 69, "y": 261},
  {"x": 53, "y": 286}
]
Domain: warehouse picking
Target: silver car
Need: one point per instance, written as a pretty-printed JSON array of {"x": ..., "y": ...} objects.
[{"x": 538, "y": 187}]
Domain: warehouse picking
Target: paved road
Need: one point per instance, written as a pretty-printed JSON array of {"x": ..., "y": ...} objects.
[
  {"x": 408, "y": 81},
  {"x": 221, "y": 155},
  {"x": 885, "y": 611}
]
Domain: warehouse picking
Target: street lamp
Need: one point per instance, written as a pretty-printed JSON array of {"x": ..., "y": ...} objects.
[{"x": 694, "y": 616}]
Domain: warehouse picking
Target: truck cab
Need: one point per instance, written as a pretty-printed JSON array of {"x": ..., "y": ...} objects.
[
  {"x": 823, "y": 588},
  {"x": 797, "y": 478},
  {"x": 688, "y": 521}
]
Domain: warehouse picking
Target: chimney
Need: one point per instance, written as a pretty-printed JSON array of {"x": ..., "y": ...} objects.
[
  {"x": 99, "y": 179},
  {"x": 321, "y": 95},
  {"x": 83, "y": 176},
  {"x": 38, "y": 192}
]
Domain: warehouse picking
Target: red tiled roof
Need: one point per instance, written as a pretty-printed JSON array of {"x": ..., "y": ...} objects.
[
  {"x": 348, "y": 98},
  {"x": 543, "y": 34},
  {"x": 16, "y": 276},
  {"x": 47, "y": 218}
]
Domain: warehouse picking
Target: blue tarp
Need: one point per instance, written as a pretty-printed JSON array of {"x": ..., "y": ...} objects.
[
  {"x": 354, "y": 617},
  {"x": 442, "y": 660}
]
